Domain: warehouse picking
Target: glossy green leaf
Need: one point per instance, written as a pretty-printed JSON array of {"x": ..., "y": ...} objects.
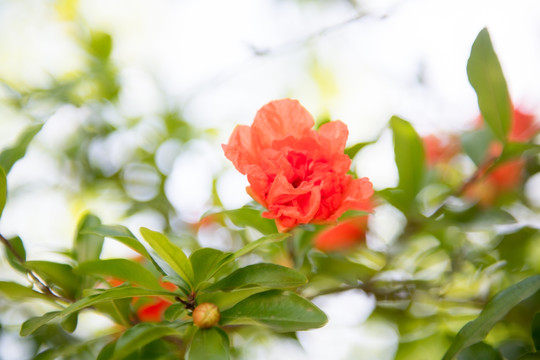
[
  {"x": 3, "y": 190},
  {"x": 121, "y": 234},
  {"x": 33, "y": 324},
  {"x": 480, "y": 351},
  {"x": 282, "y": 311},
  {"x": 409, "y": 156},
  {"x": 172, "y": 254},
  {"x": 13, "y": 260},
  {"x": 206, "y": 262},
  {"x": 122, "y": 269},
  {"x": 225, "y": 300},
  {"x": 486, "y": 77},
  {"x": 535, "y": 331},
  {"x": 248, "y": 216},
  {"x": 11, "y": 155},
  {"x": 209, "y": 344},
  {"x": 60, "y": 276},
  {"x": 18, "y": 292},
  {"x": 139, "y": 336},
  {"x": 264, "y": 275},
  {"x": 494, "y": 311},
  {"x": 87, "y": 246}
]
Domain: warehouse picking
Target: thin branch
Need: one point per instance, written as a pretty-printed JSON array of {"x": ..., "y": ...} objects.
[
  {"x": 44, "y": 288},
  {"x": 480, "y": 172}
]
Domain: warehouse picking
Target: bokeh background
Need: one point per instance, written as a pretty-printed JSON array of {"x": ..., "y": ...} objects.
[{"x": 137, "y": 97}]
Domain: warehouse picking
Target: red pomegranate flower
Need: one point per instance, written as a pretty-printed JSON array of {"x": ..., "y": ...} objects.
[{"x": 297, "y": 173}]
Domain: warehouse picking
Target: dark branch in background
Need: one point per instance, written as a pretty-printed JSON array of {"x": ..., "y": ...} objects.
[
  {"x": 259, "y": 52},
  {"x": 46, "y": 290}
]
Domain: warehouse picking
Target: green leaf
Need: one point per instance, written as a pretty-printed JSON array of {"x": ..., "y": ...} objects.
[
  {"x": 409, "y": 155},
  {"x": 476, "y": 144},
  {"x": 18, "y": 246},
  {"x": 87, "y": 246},
  {"x": 205, "y": 263},
  {"x": 495, "y": 310},
  {"x": 209, "y": 344},
  {"x": 139, "y": 336},
  {"x": 60, "y": 275},
  {"x": 121, "y": 269},
  {"x": 248, "y": 216},
  {"x": 174, "y": 312},
  {"x": 480, "y": 351},
  {"x": 535, "y": 331},
  {"x": 255, "y": 244},
  {"x": 11, "y": 155},
  {"x": 69, "y": 323},
  {"x": 121, "y": 234},
  {"x": 3, "y": 190},
  {"x": 33, "y": 324},
  {"x": 225, "y": 300},
  {"x": 486, "y": 77},
  {"x": 281, "y": 311},
  {"x": 351, "y": 151},
  {"x": 513, "y": 150},
  {"x": 530, "y": 356},
  {"x": 172, "y": 254},
  {"x": 100, "y": 45},
  {"x": 18, "y": 292},
  {"x": 264, "y": 275}
]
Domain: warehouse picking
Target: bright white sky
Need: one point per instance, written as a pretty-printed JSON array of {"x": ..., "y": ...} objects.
[{"x": 199, "y": 54}]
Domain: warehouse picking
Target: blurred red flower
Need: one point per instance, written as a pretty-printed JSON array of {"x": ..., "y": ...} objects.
[
  {"x": 152, "y": 309},
  {"x": 508, "y": 175},
  {"x": 297, "y": 173},
  {"x": 440, "y": 149},
  {"x": 342, "y": 236}
]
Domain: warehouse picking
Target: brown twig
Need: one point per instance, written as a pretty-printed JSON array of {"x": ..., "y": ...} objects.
[{"x": 44, "y": 288}]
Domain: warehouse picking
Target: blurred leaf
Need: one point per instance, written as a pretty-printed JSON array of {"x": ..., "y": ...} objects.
[
  {"x": 486, "y": 77},
  {"x": 139, "y": 336},
  {"x": 87, "y": 246},
  {"x": 60, "y": 275},
  {"x": 9, "y": 156},
  {"x": 206, "y": 262},
  {"x": 120, "y": 233},
  {"x": 281, "y": 311},
  {"x": 174, "y": 312},
  {"x": 531, "y": 356},
  {"x": 493, "y": 312},
  {"x": 255, "y": 244},
  {"x": 3, "y": 190},
  {"x": 209, "y": 344},
  {"x": 535, "y": 331},
  {"x": 19, "y": 292},
  {"x": 33, "y": 324},
  {"x": 480, "y": 350},
  {"x": 476, "y": 144},
  {"x": 69, "y": 323},
  {"x": 107, "y": 352},
  {"x": 248, "y": 216},
  {"x": 100, "y": 45},
  {"x": 18, "y": 246},
  {"x": 409, "y": 155},
  {"x": 264, "y": 275},
  {"x": 172, "y": 254},
  {"x": 514, "y": 150},
  {"x": 123, "y": 269},
  {"x": 351, "y": 151}
]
